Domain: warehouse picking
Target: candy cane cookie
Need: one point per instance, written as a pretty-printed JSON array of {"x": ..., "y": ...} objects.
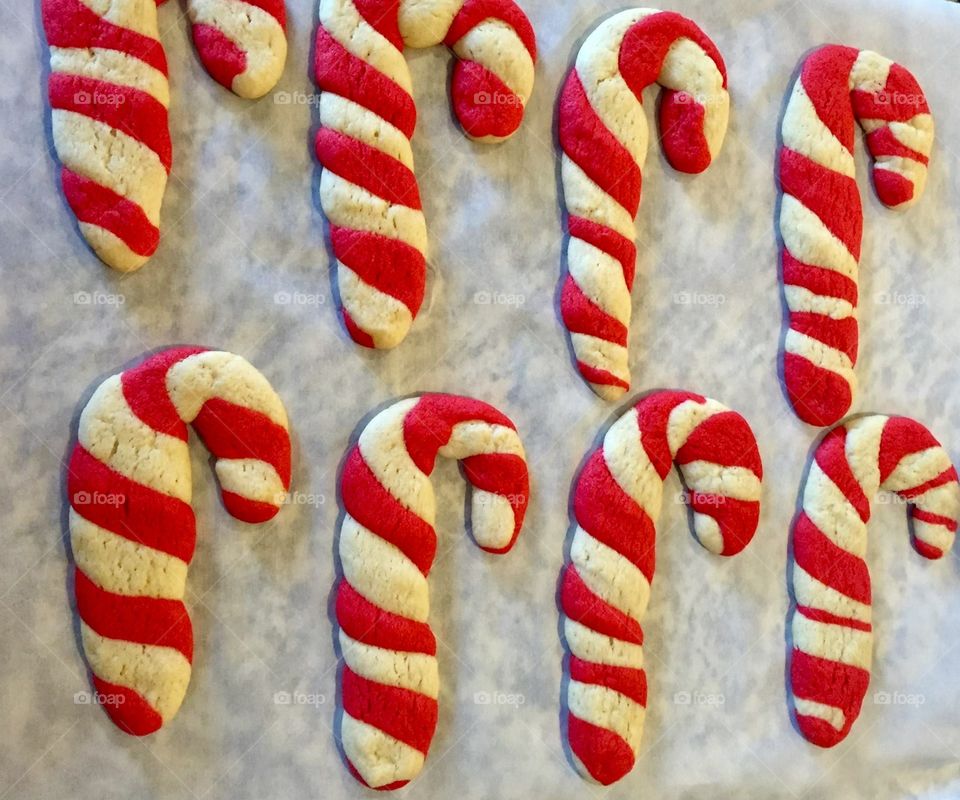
[
  {"x": 603, "y": 135},
  {"x": 109, "y": 100},
  {"x": 831, "y": 613},
  {"x": 368, "y": 188},
  {"x": 132, "y": 530},
  {"x": 389, "y": 684},
  {"x": 242, "y": 43},
  {"x": 606, "y": 583},
  {"x": 821, "y": 218},
  {"x": 109, "y": 96}
]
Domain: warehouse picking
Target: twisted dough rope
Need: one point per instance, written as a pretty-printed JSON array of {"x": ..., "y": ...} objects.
[
  {"x": 603, "y": 134},
  {"x": 832, "y": 632},
  {"x": 109, "y": 96},
  {"x": 389, "y": 685},
  {"x": 109, "y": 99},
  {"x": 821, "y": 219},
  {"x": 606, "y": 584},
  {"x": 132, "y": 530},
  {"x": 368, "y": 189},
  {"x": 242, "y": 43}
]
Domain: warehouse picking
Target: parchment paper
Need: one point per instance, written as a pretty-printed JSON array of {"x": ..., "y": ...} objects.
[{"x": 244, "y": 266}]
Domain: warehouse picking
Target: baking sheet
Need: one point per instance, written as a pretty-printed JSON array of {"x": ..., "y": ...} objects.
[{"x": 244, "y": 266}]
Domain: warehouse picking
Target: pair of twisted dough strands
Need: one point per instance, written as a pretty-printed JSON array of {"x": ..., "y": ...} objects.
[
  {"x": 606, "y": 584},
  {"x": 831, "y": 624},
  {"x": 132, "y": 530},
  {"x": 109, "y": 97},
  {"x": 389, "y": 684},
  {"x": 821, "y": 219},
  {"x": 368, "y": 188},
  {"x": 603, "y": 135}
]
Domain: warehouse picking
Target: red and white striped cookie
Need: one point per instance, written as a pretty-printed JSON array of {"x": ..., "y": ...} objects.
[
  {"x": 831, "y": 626},
  {"x": 109, "y": 96},
  {"x": 603, "y": 135},
  {"x": 132, "y": 530},
  {"x": 242, "y": 43},
  {"x": 821, "y": 219},
  {"x": 606, "y": 584},
  {"x": 389, "y": 683},
  {"x": 368, "y": 188}
]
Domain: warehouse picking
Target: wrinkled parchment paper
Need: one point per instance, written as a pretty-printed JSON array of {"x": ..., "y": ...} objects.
[{"x": 244, "y": 266}]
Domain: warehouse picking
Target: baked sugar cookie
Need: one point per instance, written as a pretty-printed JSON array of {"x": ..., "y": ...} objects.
[
  {"x": 603, "y": 136},
  {"x": 389, "y": 683},
  {"x": 109, "y": 100},
  {"x": 109, "y": 96},
  {"x": 368, "y": 188},
  {"x": 132, "y": 530},
  {"x": 242, "y": 43},
  {"x": 821, "y": 219},
  {"x": 831, "y": 627},
  {"x": 606, "y": 583}
]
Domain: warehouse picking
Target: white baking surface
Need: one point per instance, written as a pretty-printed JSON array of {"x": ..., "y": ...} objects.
[{"x": 241, "y": 224}]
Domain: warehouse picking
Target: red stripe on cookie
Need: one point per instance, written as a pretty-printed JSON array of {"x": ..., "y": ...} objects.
[
  {"x": 71, "y": 23},
  {"x": 367, "y": 167},
  {"x": 405, "y": 715},
  {"x": 128, "y": 509},
  {"x": 365, "y": 622},
  {"x": 134, "y": 112},
  {"x": 339, "y": 71},
  {"x": 369, "y": 503},
  {"x": 96, "y": 204},
  {"x": 142, "y": 620}
]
